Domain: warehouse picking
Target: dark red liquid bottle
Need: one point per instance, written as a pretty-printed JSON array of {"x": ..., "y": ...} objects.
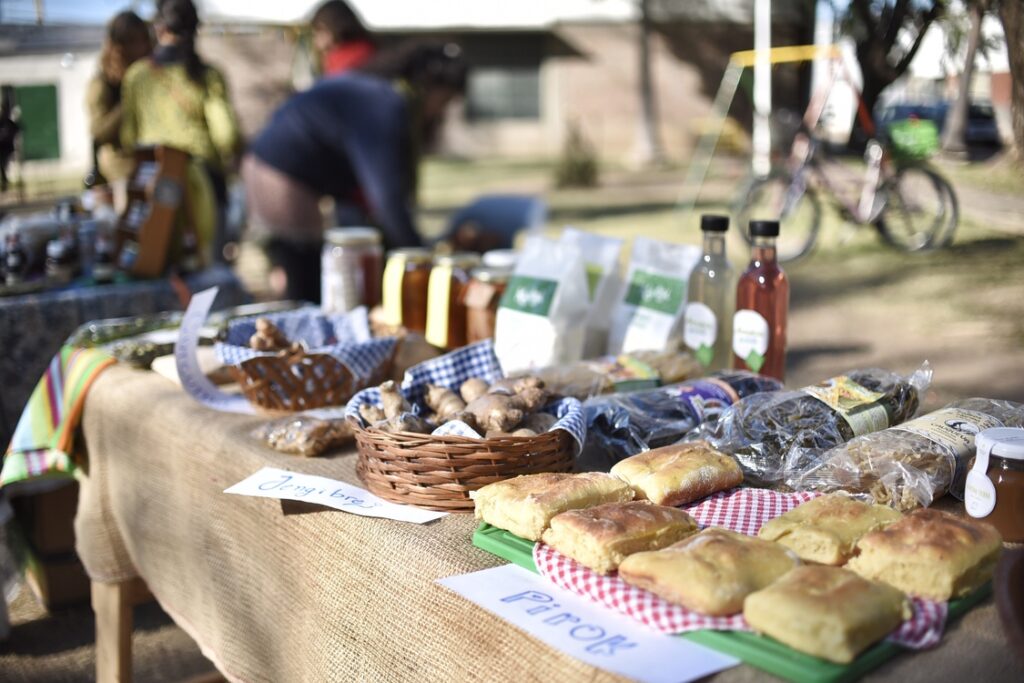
[{"x": 762, "y": 305}]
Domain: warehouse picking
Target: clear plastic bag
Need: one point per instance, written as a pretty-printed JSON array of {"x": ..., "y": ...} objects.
[
  {"x": 775, "y": 436},
  {"x": 915, "y": 463},
  {"x": 304, "y": 435},
  {"x": 621, "y": 425}
]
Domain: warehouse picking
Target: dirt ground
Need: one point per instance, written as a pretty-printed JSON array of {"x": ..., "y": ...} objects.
[{"x": 855, "y": 303}]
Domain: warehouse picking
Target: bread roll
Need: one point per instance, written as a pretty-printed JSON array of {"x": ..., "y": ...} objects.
[
  {"x": 711, "y": 572},
  {"x": 826, "y": 529},
  {"x": 524, "y": 505},
  {"x": 601, "y": 537},
  {"x": 679, "y": 474},
  {"x": 827, "y": 612},
  {"x": 930, "y": 554}
]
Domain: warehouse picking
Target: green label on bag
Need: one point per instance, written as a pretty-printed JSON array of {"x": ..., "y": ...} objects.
[
  {"x": 531, "y": 295},
  {"x": 656, "y": 292}
]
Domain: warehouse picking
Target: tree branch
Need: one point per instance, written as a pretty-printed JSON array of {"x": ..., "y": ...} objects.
[
  {"x": 863, "y": 10},
  {"x": 926, "y": 22}
]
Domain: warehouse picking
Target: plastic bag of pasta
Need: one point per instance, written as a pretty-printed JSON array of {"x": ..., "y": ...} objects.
[
  {"x": 913, "y": 463},
  {"x": 621, "y": 425},
  {"x": 775, "y": 435}
]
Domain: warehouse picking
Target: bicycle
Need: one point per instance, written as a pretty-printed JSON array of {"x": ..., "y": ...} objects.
[{"x": 907, "y": 201}]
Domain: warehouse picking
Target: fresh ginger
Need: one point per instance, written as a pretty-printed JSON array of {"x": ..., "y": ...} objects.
[
  {"x": 497, "y": 412},
  {"x": 372, "y": 414},
  {"x": 392, "y": 400},
  {"x": 406, "y": 422},
  {"x": 444, "y": 402},
  {"x": 515, "y": 385},
  {"x": 268, "y": 337},
  {"x": 472, "y": 389}
]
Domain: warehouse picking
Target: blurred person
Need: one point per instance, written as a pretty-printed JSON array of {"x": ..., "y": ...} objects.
[
  {"x": 340, "y": 38},
  {"x": 176, "y": 99},
  {"x": 355, "y": 138},
  {"x": 128, "y": 40},
  {"x": 9, "y": 130}
]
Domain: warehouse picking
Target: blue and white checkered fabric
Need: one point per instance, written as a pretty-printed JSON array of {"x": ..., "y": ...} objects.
[
  {"x": 456, "y": 428},
  {"x": 345, "y": 336},
  {"x": 451, "y": 370}
]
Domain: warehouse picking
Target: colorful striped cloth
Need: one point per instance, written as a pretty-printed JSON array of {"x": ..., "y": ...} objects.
[{"x": 45, "y": 433}]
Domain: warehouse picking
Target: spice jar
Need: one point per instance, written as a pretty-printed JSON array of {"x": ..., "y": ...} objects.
[
  {"x": 483, "y": 294},
  {"x": 995, "y": 484},
  {"x": 406, "y": 278},
  {"x": 352, "y": 266},
  {"x": 59, "y": 262},
  {"x": 446, "y": 310}
]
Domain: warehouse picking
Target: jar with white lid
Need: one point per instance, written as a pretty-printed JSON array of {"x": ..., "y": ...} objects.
[
  {"x": 995, "y": 484},
  {"x": 352, "y": 268}
]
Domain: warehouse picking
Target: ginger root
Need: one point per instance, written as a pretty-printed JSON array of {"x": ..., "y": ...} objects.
[
  {"x": 444, "y": 402},
  {"x": 392, "y": 400},
  {"x": 472, "y": 389},
  {"x": 268, "y": 337},
  {"x": 406, "y": 422},
  {"x": 539, "y": 422},
  {"x": 497, "y": 412},
  {"x": 515, "y": 385},
  {"x": 372, "y": 414}
]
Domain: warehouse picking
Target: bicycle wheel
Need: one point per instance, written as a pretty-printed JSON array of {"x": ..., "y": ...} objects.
[
  {"x": 785, "y": 198},
  {"x": 945, "y": 237},
  {"x": 919, "y": 207}
]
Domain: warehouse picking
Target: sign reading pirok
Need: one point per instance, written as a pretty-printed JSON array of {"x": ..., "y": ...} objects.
[
  {"x": 586, "y": 631},
  {"x": 271, "y": 482}
]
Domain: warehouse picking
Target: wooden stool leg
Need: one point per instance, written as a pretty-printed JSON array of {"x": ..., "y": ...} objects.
[{"x": 112, "y": 603}]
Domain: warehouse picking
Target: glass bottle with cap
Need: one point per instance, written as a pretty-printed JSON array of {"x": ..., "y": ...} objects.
[
  {"x": 995, "y": 484},
  {"x": 762, "y": 306},
  {"x": 707, "y": 329},
  {"x": 352, "y": 264},
  {"x": 406, "y": 278},
  {"x": 446, "y": 308}
]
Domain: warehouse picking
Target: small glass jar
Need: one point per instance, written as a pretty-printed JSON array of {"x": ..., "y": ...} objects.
[
  {"x": 59, "y": 264},
  {"x": 995, "y": 484},
  {"x": 406, "y": 278},
  {"x": 446, "y": 310},
  {"x": 483, "y": 294},
  {"x": 352, "y": 265}
]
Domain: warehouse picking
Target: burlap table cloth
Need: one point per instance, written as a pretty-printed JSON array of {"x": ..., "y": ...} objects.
[{"x": 323, "y": 595}]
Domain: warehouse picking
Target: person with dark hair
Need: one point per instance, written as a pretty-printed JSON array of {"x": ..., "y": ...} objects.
[
  {"x": 127, "y": 41},
  {"x": 340, "y": 38},
  {"x": 354, "y": 138},
  {"x": 176, "y": 99},
  {"x": 9, "y": 130}
]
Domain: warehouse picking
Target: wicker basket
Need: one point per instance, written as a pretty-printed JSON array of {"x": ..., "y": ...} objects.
[
  {"x": 439, "y": 472},
  {"x": 300, "y": 381}
]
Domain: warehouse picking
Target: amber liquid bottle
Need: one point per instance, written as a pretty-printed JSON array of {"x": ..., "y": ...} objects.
[{"x": 762, "y": 304}]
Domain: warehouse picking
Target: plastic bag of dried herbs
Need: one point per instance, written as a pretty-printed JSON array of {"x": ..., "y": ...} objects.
[
  {"x": 913, "y": 463},
  {"x": 775, "y": 435}
]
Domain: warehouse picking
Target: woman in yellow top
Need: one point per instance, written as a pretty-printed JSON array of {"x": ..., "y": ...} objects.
[
  {"x": 128, "y": 40},
  {"x": 177, "y": 100}
]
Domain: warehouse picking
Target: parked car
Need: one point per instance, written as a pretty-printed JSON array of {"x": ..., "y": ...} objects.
[{"x": 981, "y": 126}]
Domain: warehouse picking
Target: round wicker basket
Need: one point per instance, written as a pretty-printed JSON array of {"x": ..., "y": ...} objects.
[{"x": 439, "y": 472}]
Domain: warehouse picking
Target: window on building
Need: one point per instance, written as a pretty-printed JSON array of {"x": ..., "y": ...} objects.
[
  {"x": 40, "y": 136},
  {"x": 494, "y": 93}
]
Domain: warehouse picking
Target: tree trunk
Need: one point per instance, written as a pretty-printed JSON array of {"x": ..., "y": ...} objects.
[
  {"x": 1012, "y": 14},
  {"x": 651, "y": 150},
  {"x": 877, "y": 75},
  {"x": 953, "y": 135}
]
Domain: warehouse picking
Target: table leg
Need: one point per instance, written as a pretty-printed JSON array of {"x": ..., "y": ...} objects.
[{"x": 112, "y": 603}]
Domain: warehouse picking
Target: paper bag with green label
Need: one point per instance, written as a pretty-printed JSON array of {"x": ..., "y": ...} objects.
[
  {"x": 541, "y": 314},
  {"x": 649, "y": 313},
  {"x": 913, "y": 463},
  {"x": 776, "y": 435},
  {"x": 601, "y": 262}
]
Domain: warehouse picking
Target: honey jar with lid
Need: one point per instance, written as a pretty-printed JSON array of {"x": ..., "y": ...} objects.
[
  {"x": 406, "y": 277},
  {"x": 995, "y": 484},
  {"x": 483, "y": 294},
  {"x": 446, "y": 310}
]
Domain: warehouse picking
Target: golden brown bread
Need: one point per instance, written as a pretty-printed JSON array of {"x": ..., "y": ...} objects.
[
  {"x": 711, "y": 572},
  {"x": 827, "y": 612},
  {"x": 524, "y": 505},
  {"x": 602, "y": 536},
  {"x": 826, "y": 529},
  {"x": 930, "y": 554},
  {"x": 679, "y": 474}
]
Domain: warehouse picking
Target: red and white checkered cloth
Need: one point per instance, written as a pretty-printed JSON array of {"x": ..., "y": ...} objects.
[{"x": 744, "y": 511}]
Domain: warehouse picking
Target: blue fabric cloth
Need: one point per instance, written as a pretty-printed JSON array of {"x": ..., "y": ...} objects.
[{"x": 348, "y": 134}]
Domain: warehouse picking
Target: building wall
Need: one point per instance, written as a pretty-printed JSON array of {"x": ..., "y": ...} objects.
[{"x": 71, "y": 76}]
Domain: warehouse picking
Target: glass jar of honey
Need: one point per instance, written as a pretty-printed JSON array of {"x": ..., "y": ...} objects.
[
  {"x": 995, "y": 484},
  {"x": 483, "y": 294},
  {"x": 352, "y": 266},
  {"x": 446, "y": 309},
  {"x": 406, "y": 278}
]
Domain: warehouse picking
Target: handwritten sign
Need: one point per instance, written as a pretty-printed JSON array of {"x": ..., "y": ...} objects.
[
  {"x": 586, "y": 631},
  {"x": 271, "y": 482}
]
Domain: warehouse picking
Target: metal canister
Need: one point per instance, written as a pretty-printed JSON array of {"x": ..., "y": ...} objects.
[
  {"x": 446, "y": 310},
  {"x": 352, "y": 268}
]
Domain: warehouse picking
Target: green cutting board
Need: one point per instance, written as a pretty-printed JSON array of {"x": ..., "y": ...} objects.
[{"x": 759, "y": 651}]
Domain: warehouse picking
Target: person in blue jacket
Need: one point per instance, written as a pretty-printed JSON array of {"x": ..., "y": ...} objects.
[{"x": 356, "y": 138}]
